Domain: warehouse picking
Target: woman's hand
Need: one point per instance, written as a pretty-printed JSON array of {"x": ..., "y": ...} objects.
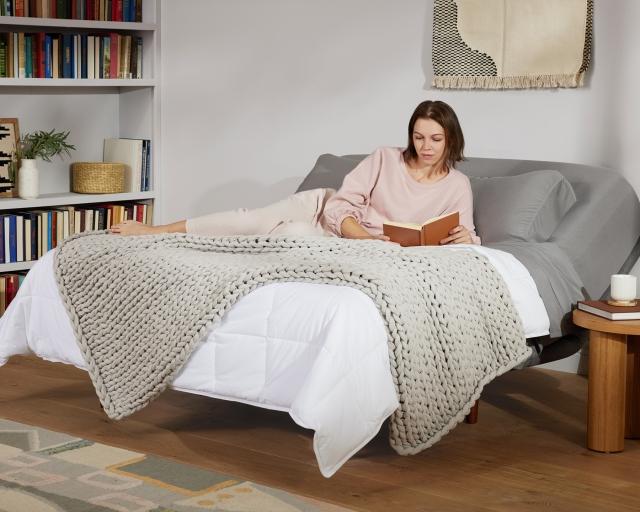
[
  {"x": 131, "y": 227},
  {"x": 351, "y": 228},
  {"x": 458, "y": 235}
]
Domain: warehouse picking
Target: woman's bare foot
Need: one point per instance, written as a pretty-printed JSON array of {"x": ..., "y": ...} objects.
[{"x": 131, "y": 227}]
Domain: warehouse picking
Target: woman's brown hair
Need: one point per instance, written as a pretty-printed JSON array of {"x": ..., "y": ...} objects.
[{"x": 444, "y": 115}]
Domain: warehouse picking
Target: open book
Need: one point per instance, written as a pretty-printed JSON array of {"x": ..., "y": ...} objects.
[{"x": 430, "y": 232}]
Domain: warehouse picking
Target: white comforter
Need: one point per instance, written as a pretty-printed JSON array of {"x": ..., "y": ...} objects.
[{"x": 317, "y": 351}]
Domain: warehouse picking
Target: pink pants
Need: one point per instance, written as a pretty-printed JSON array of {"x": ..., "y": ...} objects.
[{"x": 298, "y": 215}]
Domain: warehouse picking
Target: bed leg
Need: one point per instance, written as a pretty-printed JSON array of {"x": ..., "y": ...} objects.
[{"x": 472, "y": 417}]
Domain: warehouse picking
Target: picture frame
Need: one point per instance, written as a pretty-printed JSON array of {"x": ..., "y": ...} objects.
[{"x": 9, "y": 139}]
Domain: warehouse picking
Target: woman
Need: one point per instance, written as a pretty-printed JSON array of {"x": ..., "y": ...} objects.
[{"x": 410, "y": 185}]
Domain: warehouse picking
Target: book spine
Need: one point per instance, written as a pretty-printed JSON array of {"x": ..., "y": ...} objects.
[
  {"x": 29, "y": 48},
  {"x": 19, "y": 237},
  {"x": 49, "y": 231},
  {"x": 84, "y": 62},
  {"x": 41, "y": 55},
  {"x": 7, "y": 239},
  {"x": 3, "y": 57},
  {"x": 2, "y": 235},
  {"x": 53, "y": 220},
  {"x": 21, "y": 56},
  {"x": 67, "y": 54},
  {"x": 55, "y": 57},
  {"x": 48, "y": 57},
  {"x": 27, "y": 238},
  {"x": 11, "y": 289},
  {"x": 34, "y": 237},
  {"x": 114, "y": 55},
  {"x": 13, "y": 249},
  {"x": 91, "y": 63}
]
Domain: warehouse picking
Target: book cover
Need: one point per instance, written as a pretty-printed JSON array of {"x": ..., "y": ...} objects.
[
  {"x": 601, "y": 308},
  {"x": 128, "y": 152},
  {"x": 429, "y": 232}
]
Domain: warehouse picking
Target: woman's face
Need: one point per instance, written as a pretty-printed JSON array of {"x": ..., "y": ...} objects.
[{"x": 429, "y": 142}]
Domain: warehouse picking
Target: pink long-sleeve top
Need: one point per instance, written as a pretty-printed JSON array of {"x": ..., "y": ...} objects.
[{"x": 380, "y": 188}]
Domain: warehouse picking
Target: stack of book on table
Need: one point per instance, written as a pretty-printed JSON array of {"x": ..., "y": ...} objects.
[{"x": 605, "y": 310}]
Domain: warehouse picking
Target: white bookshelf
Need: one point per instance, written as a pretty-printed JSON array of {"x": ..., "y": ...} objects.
[{"x": 92, "y": 110}]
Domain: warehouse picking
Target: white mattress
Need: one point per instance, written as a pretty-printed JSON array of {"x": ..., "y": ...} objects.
[{"x": 316, "y": 351}]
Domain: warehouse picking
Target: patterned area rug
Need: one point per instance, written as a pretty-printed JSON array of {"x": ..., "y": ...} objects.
[{"x": 44, "y": 471}]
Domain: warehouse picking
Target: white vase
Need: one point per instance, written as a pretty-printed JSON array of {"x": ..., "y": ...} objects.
[{"x": 28, "y": 179}]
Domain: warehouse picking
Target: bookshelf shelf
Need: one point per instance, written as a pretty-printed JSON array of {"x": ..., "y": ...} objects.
[
  {"x": 15, "y": 267},
  {"x": 76, "y": 82},
  {"x": 70, "y": 199},
  {"x": 18, "y": 22}
]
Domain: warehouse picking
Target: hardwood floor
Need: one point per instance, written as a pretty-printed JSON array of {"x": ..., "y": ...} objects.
[{"x": 526, "y": 453}]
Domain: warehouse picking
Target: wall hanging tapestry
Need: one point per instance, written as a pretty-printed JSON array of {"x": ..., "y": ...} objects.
[{"x": 511, "y": 44}]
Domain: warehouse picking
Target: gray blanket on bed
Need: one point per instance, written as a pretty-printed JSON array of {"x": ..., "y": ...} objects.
[{"x": 140, "y": 305}]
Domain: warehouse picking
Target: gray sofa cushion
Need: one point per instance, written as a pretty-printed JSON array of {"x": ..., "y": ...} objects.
[
  {"x": 329, "y": 171},
  {"x": 526, "y": 207}
]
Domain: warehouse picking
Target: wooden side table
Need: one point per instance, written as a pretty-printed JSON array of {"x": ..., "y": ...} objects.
[{"x": 614, "y": 381}]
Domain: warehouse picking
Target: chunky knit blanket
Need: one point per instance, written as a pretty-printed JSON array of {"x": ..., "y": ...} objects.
[{"x": 140, "y": 305}]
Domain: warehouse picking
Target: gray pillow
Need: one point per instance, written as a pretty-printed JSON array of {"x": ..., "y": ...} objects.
[
  {"x": 329, "y": 171},
  {"x": 525, "y": 207}
]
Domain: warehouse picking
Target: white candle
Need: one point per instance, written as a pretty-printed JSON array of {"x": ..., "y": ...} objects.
[{"x": 623, "y": 287}]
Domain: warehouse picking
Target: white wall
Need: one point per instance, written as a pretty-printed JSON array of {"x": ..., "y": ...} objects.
[{"x": 253, "y": 91}]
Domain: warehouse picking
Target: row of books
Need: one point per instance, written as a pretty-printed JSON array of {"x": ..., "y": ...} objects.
[
  {"x": 136, "y": 155},
  {"x": 9, "y": 284},
  {"x": 45, "y": 55},
  {"x": 97, "y": 10},
  {"x": 28, "y": 235}
]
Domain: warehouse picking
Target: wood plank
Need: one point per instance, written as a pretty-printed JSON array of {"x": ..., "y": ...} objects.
[{"x": 527, "y": 452}]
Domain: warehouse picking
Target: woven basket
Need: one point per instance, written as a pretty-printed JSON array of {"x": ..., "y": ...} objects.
[{"x": 97, "y": 177}]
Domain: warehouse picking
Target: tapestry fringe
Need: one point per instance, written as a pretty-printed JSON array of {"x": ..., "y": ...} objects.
[{"x": 508, "y": 82}]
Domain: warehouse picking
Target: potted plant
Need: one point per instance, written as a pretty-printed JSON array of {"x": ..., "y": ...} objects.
[{"x": 41, "y": 144}]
